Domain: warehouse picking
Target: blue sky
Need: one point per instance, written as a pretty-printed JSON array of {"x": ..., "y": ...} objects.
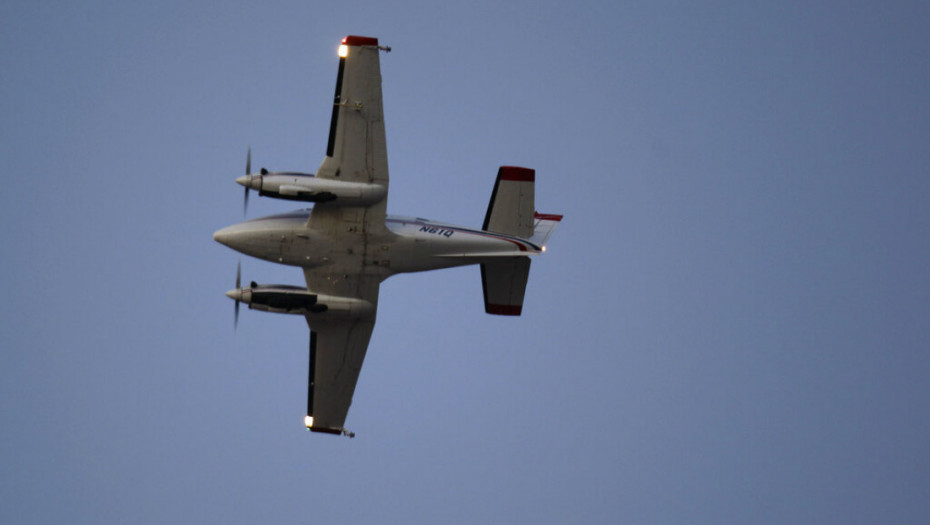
[{"x": 730, "y": 325}]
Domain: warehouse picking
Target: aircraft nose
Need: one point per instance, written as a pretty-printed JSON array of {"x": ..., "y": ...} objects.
[
  {"x": 244, "y": 237},
  {"x": 235, "y": 294},
  {"x": 245, "y": 180},
  {"x": 222, "y": 236}
]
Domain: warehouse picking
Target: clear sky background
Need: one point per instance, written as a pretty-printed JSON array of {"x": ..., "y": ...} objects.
[{"x": 731, "y": 325}]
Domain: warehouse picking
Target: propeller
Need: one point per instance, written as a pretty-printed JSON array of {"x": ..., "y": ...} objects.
[
  {"x": 248, "y": 170},
  {"x": 248, "y": 180},
  {"x": 238, "y": 284}
]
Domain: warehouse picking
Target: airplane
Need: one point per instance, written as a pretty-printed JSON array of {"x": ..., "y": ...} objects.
[{"x": 347, "y": 245}]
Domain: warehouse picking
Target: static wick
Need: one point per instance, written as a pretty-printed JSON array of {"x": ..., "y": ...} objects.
[{"x": 386, "y": 49}]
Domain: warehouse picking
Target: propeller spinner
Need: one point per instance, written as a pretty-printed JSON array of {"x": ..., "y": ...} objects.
[{"x": 249, "y": 180}]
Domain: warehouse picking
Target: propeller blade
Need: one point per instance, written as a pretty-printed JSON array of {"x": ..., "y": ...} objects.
[
  {"x": 248, "y": 170},
  {"x": 238, "y": 283}
]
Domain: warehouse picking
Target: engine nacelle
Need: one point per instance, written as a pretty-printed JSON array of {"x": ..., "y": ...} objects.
[
  {"x": 285, "y": 299},
  {"x": 309, "y": 188}
]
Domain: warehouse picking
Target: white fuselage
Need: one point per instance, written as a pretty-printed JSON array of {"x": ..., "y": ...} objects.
[{"x": 408, "y": 244}]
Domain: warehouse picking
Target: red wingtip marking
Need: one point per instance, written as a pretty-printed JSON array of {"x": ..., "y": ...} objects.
[
  {"x": 517, "y": 173},
  {"x": 352, "y": 40},
  {"x": 504, "y": 309}
]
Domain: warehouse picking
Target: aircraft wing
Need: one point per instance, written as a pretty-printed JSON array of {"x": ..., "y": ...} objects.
[
  {"x": 337, "y": 349},
  {"x": 356, "y": 150}
]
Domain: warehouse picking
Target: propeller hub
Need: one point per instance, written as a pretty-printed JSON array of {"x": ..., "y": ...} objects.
[{"x": 250, "y": 181}]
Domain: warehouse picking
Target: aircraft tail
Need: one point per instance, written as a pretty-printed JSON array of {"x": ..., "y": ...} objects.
[
  {"x": 512, "y": 212},
  {"x": 545, "y": 225},
  {"x": 512, "y": 203},
  {"x": 504, "y": 283}
]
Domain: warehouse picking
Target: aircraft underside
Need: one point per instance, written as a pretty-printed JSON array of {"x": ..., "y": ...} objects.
[{"x": 347, "y": 244}]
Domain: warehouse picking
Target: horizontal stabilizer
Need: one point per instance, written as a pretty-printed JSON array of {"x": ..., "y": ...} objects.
[{"x": 504, "y": 284}]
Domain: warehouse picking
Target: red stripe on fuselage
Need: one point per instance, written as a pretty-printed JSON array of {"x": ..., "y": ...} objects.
[{"x": 522, "y": 246}]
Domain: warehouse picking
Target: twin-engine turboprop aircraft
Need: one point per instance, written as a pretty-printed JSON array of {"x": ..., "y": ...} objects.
[{"x": 347, "y": 245}]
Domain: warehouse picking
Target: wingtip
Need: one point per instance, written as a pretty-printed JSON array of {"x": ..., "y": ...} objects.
[
  {"x": 354, "y": 40},
  {"x": 503, "y": 309}
]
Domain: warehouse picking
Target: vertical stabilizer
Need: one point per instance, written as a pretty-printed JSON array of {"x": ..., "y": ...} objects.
[{"x": 512, "y": 203}]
